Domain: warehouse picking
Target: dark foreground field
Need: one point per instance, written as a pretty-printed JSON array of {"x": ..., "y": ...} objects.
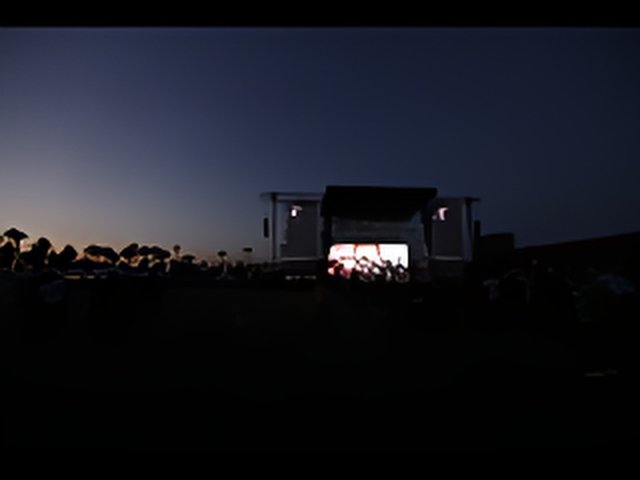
[{"x": 148, "y": 364}]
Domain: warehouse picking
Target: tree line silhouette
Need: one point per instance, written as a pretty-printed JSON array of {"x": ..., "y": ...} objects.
[{"x": 132, "y": 259}]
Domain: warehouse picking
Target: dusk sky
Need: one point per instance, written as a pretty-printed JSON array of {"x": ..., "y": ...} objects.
[{"x": 164, "y": 136}]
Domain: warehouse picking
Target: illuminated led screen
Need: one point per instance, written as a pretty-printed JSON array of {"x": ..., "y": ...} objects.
[{"x": 370, "y": 261}]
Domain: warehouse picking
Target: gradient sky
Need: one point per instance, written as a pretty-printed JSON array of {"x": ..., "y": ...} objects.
[{"x": 166, "y": 136}]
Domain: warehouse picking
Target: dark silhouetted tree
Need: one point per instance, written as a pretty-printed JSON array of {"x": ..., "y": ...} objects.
[
  {"x": 35, "y": 259},
  {"x": 159, "y": 253},
  {"x": 159, "y": 258},
  {"x": 224, "y": 262},
  {"x": 107, "y": 253},
  {"x": 7, "y": 255},
  {"x": 175, "y": 264},
  {"x": 15, "y": 236},
  {"x": 129, "y": 252},
  {"x": 63, "y": 261}
]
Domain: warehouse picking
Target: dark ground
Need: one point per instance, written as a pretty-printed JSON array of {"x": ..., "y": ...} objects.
[{"x": 153, "y": 364}]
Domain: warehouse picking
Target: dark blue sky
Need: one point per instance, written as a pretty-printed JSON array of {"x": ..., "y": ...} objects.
[{"x": 169, "y": 135}]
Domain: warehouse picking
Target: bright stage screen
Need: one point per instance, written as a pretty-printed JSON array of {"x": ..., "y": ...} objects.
[{"x": 370, "y": 261}]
